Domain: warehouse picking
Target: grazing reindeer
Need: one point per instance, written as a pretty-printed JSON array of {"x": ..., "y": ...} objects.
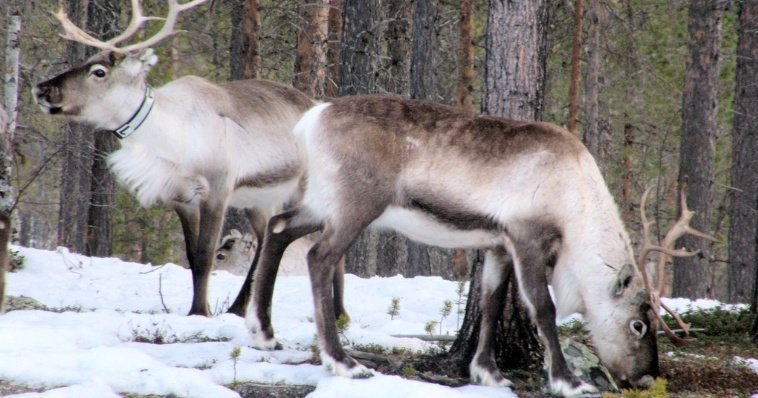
[
  {"x": 195, "y": 145},
  {"x": 527, "y": 193}
]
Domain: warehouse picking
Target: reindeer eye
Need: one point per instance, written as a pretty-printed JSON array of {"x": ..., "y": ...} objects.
[
  {"x": 98, "y": 72},
  {"x": 220, "y": 256},
  {"x": 638, "y": 328}
]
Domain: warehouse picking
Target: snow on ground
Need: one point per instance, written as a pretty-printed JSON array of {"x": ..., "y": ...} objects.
[{"x": 96, "y": 345}]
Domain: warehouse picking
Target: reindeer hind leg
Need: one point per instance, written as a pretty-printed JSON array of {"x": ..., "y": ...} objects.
[{"x": 483, "y": 368}]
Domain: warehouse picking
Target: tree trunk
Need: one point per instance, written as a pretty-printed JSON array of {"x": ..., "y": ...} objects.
[
  {"x": 103, "y": 21},
  {"x": 743, "y": 215},
  {"x": 398, "y": 47},
  {"x": 576, "y": 66},
  {"x": 76, "y": 173},
  {"x": 465, "y": 87},
  {"x": 7, "y": 130},
  {"x": 333, "y": 49},
  {"x": 359, "y": 51},
  {"x": 692, "y": 274},
  {"x": 359, "y": 47},
  {"x": 246, "y": 39},
  {"x": 592, "y": 135},
  {"x": 423, "y": 50},
  {"x": 310, "y": 60},
  {"x": 514, "y": 87}
]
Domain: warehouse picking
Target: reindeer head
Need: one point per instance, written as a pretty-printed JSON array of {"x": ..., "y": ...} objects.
[
  {"x": 623, "y": 328},
  {"x": 635, "y": 309},
  {"x": 106, "y": 89}
]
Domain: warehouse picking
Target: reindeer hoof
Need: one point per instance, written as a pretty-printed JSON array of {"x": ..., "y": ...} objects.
[
  {"x": 262, "y": 342},
  {"x": 572, "y": 389},
  {"x": 487, "y": 377},
  {"x": 353, "y": 370}
]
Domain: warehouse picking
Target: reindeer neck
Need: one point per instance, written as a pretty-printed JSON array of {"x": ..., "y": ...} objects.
[{"x": 139, "y": 115}]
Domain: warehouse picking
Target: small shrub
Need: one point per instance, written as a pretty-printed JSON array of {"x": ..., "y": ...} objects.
[
  {"x": 235, "y": 357},
  {"x": 16, "y": 261},
  {"x": 394, "y": 308},
  {"x": 717, "y": 322},
  {"x": 409, "y": 371}
]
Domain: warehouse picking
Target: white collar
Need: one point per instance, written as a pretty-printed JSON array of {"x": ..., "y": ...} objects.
[{"x": 136, "y": 120}]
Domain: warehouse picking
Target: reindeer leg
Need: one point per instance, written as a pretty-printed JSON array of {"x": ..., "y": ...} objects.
[
  {"x": 483, "y": 368},
  {"x": 211, "y": 220},
  {"x": 189, "y": 219},
  {"x": 258, "y": 222},
  {"x": 533, "y": 249},
  {"x": 322, "y": 263},
  {"x": 282, "y": 230},
  {"x": 339, "y": 290}
]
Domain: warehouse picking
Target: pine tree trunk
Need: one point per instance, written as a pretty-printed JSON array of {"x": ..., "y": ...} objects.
[
  {"x": 514, "y": 87},
  {"x": 103, "y": 21},
  {"x": 465, "y": 86},
  {"x": 245, "y": 40},
  {"x": 743, "y": 215},
  {"x": 692, "y": 274},
  {"x": 592, "y": 135},
  {"x": 333, "y": 49},
  {"x": 360, "y": 57},
  {"x": 575, "y": 67},
  {"x": 310, "y": 60},
  {"x": 76, "y": 173},
  {"x": 398, "y": 47}
]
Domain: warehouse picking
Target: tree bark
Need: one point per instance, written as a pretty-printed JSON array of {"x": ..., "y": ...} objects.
[
  {"x": 359, "y": 47},
  {"x": 76, "y": 174},
  {"x": 310, "y": 60},
  {"x": 333, "y": 49},
  {"x": 103, "y": 21},
  {"x": 245, "y": 41},
  {"x": 692, "y": 274},
  {"x": 398, "y": 47},
  {"x": 465, "y": 86},
  {"x": 592, "y": 135},
  {"x": 514, "y": 87},
  {"x": 575, "y": 66},
  {"x": 358, "y": 72},
  {"x": 743, "y": 214}
]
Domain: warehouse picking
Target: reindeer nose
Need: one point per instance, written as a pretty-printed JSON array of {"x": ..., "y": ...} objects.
[{"x": 643, "y": 382}]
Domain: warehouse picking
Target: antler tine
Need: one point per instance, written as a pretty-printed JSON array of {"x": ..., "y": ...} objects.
[
  {"x": 74, "y": 33},
  {"x": 666, "y": 250},
  {"x": 138, "y": 18},
  {"x": 174, "y": 8}
]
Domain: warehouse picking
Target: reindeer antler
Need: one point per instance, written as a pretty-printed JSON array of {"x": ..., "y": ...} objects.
[
  {"x": 666, "y": 250},
  {"x": 74, "y": 33}
]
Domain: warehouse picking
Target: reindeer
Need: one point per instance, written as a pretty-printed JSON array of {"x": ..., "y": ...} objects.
[
  {"x": 192, "y": 144},
  {"x": 529, "y": 194}
]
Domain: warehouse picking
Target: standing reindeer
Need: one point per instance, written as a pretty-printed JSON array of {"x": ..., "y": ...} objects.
[
  {"x": 195, "y": 145},
  {"x": 530, "y": 194}
]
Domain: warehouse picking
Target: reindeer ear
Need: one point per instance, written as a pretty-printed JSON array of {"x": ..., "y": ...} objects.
[
  {"x": 623, "y": 279},
  {"x": 138, "y": 64}
]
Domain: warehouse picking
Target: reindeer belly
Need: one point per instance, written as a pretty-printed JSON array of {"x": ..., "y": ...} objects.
[
  {"x": 421, "y": 227},
  {"x": 272, "y": 196}
]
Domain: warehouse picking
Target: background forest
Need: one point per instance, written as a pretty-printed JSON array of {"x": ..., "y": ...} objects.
[{"x": 633, "y": 110}]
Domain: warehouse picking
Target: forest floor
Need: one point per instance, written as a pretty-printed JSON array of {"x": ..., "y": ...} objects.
[{"x": 717, "y": 363}]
